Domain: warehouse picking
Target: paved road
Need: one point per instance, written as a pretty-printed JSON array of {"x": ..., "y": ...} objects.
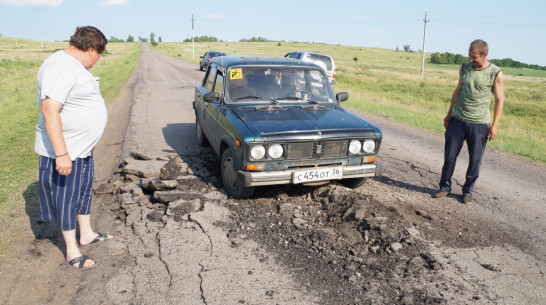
[
  {"x": 161, "y": 123},
  {"x": 190, "y": 262},
  {"x": 510, "y": 190}
]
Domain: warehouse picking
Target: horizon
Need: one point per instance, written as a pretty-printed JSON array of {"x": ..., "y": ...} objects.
[
  {"x": 511, "y": 31},
  {"x": 267, "y": 40}
]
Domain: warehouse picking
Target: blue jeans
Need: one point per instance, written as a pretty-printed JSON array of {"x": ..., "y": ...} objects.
[{"x": 475, "y": 136}]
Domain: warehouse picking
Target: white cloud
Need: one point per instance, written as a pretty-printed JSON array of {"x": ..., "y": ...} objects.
[
  {"x": 50, "y": 3},
  {"x": 114, "y": 2}
]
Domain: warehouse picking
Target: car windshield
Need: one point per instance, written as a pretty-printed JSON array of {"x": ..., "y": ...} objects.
[
  {"x": 278, "y": 85},
  {"x": 214, "y": 54}
]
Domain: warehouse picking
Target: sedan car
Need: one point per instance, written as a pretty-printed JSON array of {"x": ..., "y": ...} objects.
[
  {"x": 276, "y": 121},
  {"x": 326, "y": 62},
  {"x": 207, "y": 57}
]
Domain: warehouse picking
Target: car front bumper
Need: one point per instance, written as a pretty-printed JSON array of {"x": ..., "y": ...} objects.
[{"x": 250, "y": 179}]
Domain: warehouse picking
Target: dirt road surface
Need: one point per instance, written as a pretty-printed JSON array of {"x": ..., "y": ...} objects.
[{"x": 388, "y": 242}]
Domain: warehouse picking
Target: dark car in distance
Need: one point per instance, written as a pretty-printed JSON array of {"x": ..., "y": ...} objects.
[
  {"x": 207, "y": 57},
  {"x": 274, "y": 120}
]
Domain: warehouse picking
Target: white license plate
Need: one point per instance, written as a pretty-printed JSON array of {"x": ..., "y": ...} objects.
[{"x": 319, "y": 174}]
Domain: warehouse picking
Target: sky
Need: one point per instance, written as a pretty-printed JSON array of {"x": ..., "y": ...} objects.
[{"x": 513, "y": 29}]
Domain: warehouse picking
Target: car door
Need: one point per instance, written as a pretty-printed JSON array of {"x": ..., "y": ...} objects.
[{"x": 215, "y": 83}]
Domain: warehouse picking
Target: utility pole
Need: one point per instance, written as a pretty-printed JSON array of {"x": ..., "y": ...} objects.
[
  {"x": 424, "y": 42},
  {"x": 192, "y": 40},
  {"x": 42, "y": 40}
]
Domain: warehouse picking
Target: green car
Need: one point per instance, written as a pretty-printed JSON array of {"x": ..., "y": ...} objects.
[{"x": 276, "y": 121}]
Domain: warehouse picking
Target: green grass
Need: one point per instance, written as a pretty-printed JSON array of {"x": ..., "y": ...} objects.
[
  {"x": 388, "y": 83},
  {"x": 19, "y": 114}
]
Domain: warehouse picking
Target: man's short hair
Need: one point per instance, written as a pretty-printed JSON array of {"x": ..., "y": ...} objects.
[
  {"x": 480, "y": 46},
  {"x": 87, "y": 37}
]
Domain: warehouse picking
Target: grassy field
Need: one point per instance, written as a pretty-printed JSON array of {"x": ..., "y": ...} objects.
[
  {"x": 388, "y": 83},
  {"x": 19, "y": 114}
]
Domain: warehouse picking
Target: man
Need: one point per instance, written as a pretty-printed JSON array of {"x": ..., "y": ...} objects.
[
  {"x": 72, "y": 120},
  {"x": 468, "y": 117}
]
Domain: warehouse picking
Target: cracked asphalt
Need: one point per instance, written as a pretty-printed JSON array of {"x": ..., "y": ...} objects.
[{"x": 289, "y": 246}]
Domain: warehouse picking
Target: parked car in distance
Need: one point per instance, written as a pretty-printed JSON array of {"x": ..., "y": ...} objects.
[
  {"x": 325, "y": 61},
  {"x": 207, "y": 57},
  {"x": 274, "y": 120}
]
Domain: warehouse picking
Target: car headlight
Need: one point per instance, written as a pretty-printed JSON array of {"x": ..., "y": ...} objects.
[
  {"x": 369, "y": 146},
  {"x": 257, "y": 152},
  {"x": 275, "y": 151},
  {"x": 355, "y": 146}
]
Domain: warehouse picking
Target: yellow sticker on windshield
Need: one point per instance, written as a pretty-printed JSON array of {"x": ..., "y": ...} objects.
[{"x": 236, "y": 73}]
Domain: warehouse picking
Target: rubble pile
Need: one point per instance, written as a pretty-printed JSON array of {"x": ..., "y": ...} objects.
[{"x": 345, "y": 244}]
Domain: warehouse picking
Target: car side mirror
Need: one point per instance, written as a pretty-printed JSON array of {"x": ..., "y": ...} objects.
[
  {"x": 342, "y": 96},
  {"x": 212, "y": 97}
]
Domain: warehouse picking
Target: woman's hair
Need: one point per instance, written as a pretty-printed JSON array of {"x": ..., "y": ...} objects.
[{"x": 87, "y": 37}]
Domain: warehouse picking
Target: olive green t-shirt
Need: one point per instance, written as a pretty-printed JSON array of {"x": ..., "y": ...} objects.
[{"x": 472, "y": 106}]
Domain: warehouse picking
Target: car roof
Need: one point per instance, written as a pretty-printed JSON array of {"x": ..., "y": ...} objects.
[
  {"x": 308, "y": 52},
  {"x": 252, "y": 60}
]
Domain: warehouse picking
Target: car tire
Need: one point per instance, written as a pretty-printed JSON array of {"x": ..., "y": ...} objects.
[
  {"x": 201, "y": 138},
  {"x": 233, "y": 186},
  {"x": 200, "y": 67},
  {"x": 353, "y": 182}
]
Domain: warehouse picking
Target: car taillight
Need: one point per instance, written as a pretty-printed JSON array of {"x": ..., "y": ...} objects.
[
  {"x": 334, "y": 74},
  {"x": 210, "y": 58}
]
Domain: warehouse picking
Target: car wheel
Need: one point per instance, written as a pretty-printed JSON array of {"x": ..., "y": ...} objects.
[
  {"x": 229, "y": 177},
  {"x": 201, "y": 138},
  {"x": 200, "y": 67},
  {"x": 353, "y": 182}
]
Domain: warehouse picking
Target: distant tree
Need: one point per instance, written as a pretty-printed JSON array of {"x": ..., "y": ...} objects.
[
  {"x": 130, "y": 38},
  {"x": 202, "y": 39},
  {"x": 115, "y": 39},
  {"x": 355, "y": 59},
  {"x": 160, "y": 39},
  {"x": 254, "y": 39},
  {"x": 407, "y": 48},
  {"x": 457, "y": 59}
]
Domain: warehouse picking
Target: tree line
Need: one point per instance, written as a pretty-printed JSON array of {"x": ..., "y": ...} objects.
[
  {"x": 214, "y": 39},
  {"x": 457, "y": 59},
  {"x": 131, "y": 38}
]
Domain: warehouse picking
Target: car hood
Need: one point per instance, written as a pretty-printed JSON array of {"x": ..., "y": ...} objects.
[{"x": 303, "y": 122}]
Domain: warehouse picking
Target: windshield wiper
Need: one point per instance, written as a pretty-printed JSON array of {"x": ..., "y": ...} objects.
[
  {"x": 289, "y": 98},
  {"x": 253, "y": 97}
]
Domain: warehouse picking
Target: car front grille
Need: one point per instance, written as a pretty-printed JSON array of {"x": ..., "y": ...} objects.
[{"x": 322, "y": 149}]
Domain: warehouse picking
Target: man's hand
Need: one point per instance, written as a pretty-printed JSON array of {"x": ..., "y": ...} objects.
[
  {"x": 492, "y": 132},
  {"x": 63, "y": 165},
  {"x": 446, "y": 120}
]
